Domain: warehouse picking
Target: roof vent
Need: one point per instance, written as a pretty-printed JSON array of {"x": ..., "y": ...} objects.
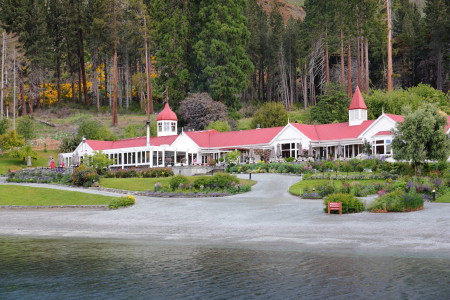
[{"x": 258, "y": 126}]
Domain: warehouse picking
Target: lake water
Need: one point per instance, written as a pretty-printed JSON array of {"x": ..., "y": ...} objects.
[{"x": 67, "y": 268}]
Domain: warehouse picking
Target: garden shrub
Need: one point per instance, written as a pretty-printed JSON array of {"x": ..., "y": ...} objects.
[
  {"x": 350, "y": 204},
  {"x": 178, "y": 180},
  {"x": 326, "y": 189},
  {"x": 397, "y": 201},
  {"x": 223, "y": 180},
  {"x": 218, "y": 181},
  {"x": 133, "y": 172},
  {"x": 289, "y": 159},
  {"x": 122, "y": 202},
  {"x": 158, "y": 187},
  {"x": 85, "y": 176},
  {"x": 201, "y": 181}
]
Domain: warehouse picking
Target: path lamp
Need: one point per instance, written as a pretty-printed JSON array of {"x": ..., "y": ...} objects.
[{"x": 434, "y": 194}]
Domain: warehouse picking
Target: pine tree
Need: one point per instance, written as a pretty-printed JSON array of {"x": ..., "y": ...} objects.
[{"x": 220, "y": 50}]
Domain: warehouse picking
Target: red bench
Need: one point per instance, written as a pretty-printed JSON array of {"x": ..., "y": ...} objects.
[{"x": 335, "y": 206}]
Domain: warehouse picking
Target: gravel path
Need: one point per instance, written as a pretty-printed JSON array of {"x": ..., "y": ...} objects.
[{"x": 268, "y": 215}]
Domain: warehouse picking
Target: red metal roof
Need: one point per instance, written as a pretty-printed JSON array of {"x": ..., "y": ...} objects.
[
  {"x": 129, "y": 143},
  {"x": 357, "y": 100},
  {"x": 334, "y": 131},
  {"x": 396, "y": 118},
  {"x": 387, "y": 132},
  {"x": 167, "y": 114},
  {"x": 210, "y": 139}
]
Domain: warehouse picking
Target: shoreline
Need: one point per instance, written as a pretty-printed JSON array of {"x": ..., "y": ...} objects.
[{"x": 268, "y": 216}]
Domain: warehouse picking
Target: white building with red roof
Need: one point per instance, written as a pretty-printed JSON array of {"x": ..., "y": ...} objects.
[{"x": 326, "y": 141}]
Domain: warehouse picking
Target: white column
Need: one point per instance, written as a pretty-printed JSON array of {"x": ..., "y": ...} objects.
[
  {"x": 151, "y": 159},
  {"x": 157, "y": 158},
  {"x": 174, "y": 157},
  {"x": 163, "y": 157}
]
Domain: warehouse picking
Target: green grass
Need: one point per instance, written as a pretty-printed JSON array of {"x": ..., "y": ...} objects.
[
  {"x": 8, "y": 163},
  {"x": 133, "y": 184},
  {"x": 297, "y": 188},
  {"x": 444, "y": 198},
  {"x": 146, "y": 184},
  {"x": 32, "y": 196}
]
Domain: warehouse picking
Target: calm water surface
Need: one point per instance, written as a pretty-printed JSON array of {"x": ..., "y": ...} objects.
[{"x": 38, "y": 268}]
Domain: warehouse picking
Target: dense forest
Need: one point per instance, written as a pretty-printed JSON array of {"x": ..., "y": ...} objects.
[{"x": 121, "y": 53}]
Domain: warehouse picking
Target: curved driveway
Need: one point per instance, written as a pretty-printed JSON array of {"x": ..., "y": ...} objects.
[{"x": 268, "y": 216}]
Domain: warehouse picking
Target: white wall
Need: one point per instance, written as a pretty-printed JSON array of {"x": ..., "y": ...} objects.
[
  {"x": 290, "y": 134},
  {"x": 184, "y": 143},
  {"x": 383, "y": 123}
]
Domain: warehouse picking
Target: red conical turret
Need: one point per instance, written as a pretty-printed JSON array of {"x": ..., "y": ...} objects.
[{"x": 357, "y": 100}]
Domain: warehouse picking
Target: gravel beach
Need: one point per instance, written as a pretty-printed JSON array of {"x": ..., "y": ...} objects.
[{"x": 268, "y": 215}]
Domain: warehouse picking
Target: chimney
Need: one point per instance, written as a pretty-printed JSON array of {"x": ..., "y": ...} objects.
[{"x": 148, "y": 133}]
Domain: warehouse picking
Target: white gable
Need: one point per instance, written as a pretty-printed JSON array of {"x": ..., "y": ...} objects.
[
  {"x": 84, "y": 149},
  {"x": 184, "y": 142},
  {"x": 290, "y": 134},
  {"x": 383, "y": 123}
]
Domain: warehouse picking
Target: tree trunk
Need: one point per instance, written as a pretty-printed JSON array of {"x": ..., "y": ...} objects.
[
  {"x": 2, "y": 85},
  {"x": 72, "y": 79},
  {"x": 390, "y": 85},
  {"x": 149, "y": 109},
  {"x": 349, "y": 71},
  {"x": 115, "y": 87},
  {"x": 58, "y": 77},
  {"x": 82, "y": 66},
  {"x": 305, "y": 90},
  {"x": 342, "y": 59},
  {"x": 439, "y": 70},
  {"x": 106, "y": 78},
  {"x": 366, "y": 48},
  {"x": 358, "y": 62},
  {"x": 95, "y": 84},
  {"x": 326, "y": 60},
  {"x": 80, "y": 96},
  {"x": 120, "y": 85},
  {"x": 22, "y": 92}
]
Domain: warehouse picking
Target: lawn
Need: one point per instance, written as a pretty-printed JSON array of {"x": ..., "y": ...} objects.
[
  {"x": 146, "y": 184},
  {"x": 297, "y": 188},
  {"x": 33, "y": 196},
  {"x": 8, "y": 163},
  {"x": 444, "y": 198}
]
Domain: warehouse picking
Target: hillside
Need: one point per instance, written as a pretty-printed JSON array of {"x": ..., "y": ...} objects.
[{"x": 287, "y": 9}]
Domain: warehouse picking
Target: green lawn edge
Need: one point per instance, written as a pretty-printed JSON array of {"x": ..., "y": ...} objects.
[{"x": 15, "y": 195}]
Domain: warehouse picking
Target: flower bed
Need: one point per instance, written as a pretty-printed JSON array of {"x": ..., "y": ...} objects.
[
  {"x": 40, "y": 175},
  {"x": 142, "y": 172},
  {"x": 397, "y": 201}
]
